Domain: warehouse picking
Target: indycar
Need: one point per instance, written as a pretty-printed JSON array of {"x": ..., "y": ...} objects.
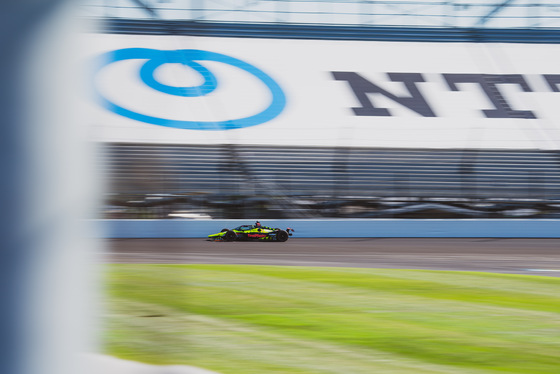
[{"x": 252, "y": 232}]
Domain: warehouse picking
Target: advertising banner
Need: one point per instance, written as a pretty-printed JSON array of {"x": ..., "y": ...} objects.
[{"x": 199, "y": 90}]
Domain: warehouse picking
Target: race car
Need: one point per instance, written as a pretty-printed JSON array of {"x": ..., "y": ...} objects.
[{"x": 253, "y": 232}]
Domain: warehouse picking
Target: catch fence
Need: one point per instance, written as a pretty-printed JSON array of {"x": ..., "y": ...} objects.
[{"x": 233, "y": 181}]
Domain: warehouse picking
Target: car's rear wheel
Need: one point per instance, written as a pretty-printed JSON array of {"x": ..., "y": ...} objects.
[
  {"x": 230, "y": 236},
  {"x": 282, "y": 236}
]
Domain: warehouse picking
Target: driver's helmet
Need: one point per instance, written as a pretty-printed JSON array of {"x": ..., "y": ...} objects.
[{"x": 257, "y": 224}]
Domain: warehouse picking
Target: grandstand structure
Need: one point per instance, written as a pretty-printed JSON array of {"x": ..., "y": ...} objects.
[
  {"x": 400, "y": 13},
  {"x": 236, "y": 180}
]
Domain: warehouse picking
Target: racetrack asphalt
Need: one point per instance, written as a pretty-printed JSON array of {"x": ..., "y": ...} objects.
[{"x": 515, "y": 256}]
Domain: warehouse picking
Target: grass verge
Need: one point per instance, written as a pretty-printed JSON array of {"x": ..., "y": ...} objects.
[{"x": 269, "y": 319}]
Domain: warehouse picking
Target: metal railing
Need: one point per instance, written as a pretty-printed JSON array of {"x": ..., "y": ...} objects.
[{"x": 407, "y": 13}]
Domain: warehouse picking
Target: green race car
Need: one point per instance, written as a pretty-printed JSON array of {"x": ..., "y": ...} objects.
[{"x": 253, "y": 232}]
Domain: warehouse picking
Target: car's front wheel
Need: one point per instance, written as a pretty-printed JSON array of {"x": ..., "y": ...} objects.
[
  {"x": 282, "y": 236},
  {"x": 230, "y": 236}
]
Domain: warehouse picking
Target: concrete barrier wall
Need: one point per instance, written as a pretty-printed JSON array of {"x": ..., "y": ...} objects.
[{"x": 342, "y": 228}]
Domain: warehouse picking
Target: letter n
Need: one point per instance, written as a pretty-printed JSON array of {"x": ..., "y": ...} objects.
[{"x": 361, "y": 87}]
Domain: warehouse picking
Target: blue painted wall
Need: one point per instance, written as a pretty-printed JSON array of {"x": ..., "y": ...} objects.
[{"x": 347, "y": 228}]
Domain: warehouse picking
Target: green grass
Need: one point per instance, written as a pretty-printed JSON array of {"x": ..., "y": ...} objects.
[{"x": 265, "y": 319}]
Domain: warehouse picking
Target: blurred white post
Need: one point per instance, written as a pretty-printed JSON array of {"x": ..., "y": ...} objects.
[{"x": 46, "y": 288}]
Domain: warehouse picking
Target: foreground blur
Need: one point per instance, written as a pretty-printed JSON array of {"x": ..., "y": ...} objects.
[{"x": 47, "y": 190}]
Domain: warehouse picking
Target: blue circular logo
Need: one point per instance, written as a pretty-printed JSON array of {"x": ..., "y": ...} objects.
[{"x": 189, "y": 58}]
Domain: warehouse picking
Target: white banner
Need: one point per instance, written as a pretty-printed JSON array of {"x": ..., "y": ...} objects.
[{"x": 194, "y": 90}]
